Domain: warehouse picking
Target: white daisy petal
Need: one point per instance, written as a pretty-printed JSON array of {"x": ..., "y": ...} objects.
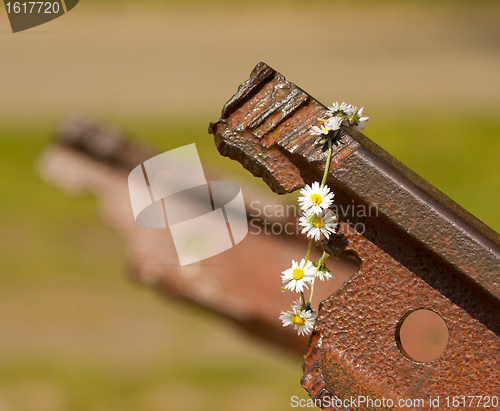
[
  {"x": 361, "y": 123},
  {"x": 318, "y": 131}
]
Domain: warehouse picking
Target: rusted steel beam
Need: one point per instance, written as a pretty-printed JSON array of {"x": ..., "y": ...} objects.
[{"x": 419, "y": 249}]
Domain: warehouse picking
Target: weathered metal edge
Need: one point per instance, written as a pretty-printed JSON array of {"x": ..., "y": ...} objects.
[{"x": 480, "y": 262}]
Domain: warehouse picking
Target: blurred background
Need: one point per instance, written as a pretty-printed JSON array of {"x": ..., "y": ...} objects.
[{"x": 75, "y": 332}]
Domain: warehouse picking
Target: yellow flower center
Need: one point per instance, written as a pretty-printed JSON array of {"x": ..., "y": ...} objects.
[
  {"x": 316, "y": 199},
  {"x": 298, "y": 273},
  {"x": 297, "y": 320},
  {"x": 318, "y": 222}
]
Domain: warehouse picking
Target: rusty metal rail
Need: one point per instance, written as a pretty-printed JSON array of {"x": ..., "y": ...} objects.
[{"x": 420, "y": 250}]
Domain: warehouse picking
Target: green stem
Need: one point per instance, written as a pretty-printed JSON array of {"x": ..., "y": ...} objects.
[
  {"x": 308, "y": 251},
  {"x": 320, "y": 263},
  {"x": 303, "y": 299},
  {"x": 327, "y": 165},
  {"x": 312, "y": 291}
]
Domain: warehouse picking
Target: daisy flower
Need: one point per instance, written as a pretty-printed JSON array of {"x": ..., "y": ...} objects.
[
  {"x": 357, "y": 121},
  {"x": 298, "y": 276},
  {"x": 323, "y": 273},
  {"x": 340, "y": 110},
  {"x": 327, "y": 130},
  {"x": 315, "y": 225},
  {"x": 303, "y": 321},
  {"x": 348, "y": 114},
  {"x": 315, "y": 198}
]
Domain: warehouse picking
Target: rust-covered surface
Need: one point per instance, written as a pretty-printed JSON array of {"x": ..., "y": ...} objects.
[{"x": 418, "y": 249}]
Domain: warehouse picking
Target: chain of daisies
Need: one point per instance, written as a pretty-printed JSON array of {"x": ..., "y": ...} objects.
[{"x": 317, "y": 221}]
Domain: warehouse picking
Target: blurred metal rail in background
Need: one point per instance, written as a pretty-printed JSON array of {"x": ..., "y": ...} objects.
[
  {"x": 420, "y": 251},
  {"x": 88, "y": 157}
]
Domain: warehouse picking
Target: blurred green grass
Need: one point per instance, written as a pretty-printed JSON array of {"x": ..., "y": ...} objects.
[
  {"x": 79, "y": 335},
  {"x": 64, "y": 285}
]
